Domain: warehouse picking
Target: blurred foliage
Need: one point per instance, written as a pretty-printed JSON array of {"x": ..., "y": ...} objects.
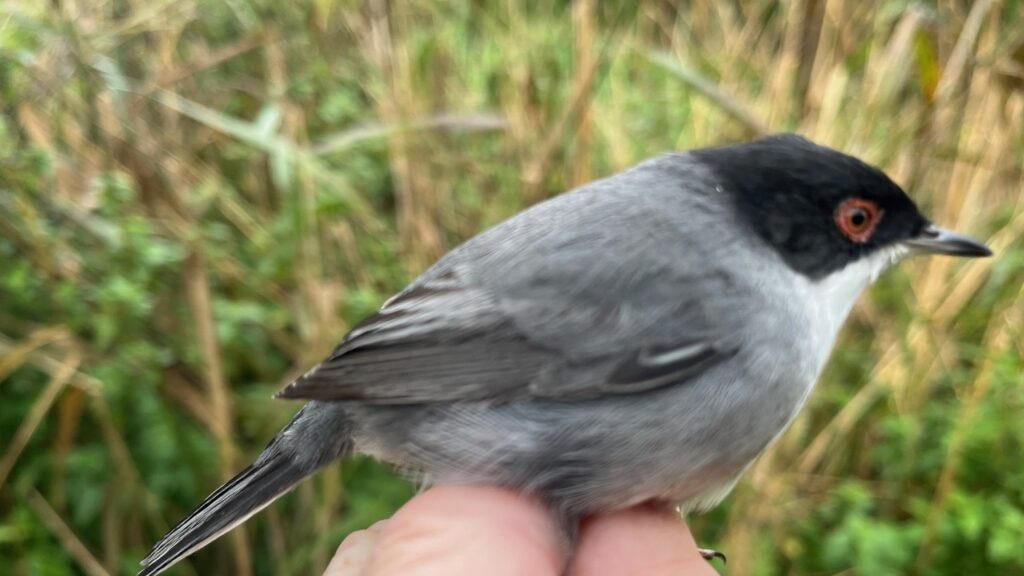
[{"x": 198, "y": 197}]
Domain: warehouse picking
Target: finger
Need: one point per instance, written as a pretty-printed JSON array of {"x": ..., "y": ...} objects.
[
  {"x": 464, "y": 530},
  {"x": 650, "y": 540},
  {"x": 354, "y": 553}
]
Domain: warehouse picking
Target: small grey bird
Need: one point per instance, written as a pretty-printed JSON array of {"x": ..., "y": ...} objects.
[{"x": 643, "y": 337}]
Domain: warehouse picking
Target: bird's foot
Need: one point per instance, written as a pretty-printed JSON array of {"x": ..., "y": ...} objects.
[{"x": 709, "y": 554}]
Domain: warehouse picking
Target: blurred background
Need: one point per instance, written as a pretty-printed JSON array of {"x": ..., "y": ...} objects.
[{"x": 199, "y": 197}]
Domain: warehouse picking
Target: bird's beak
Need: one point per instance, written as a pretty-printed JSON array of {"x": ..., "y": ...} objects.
[{"x": 935, "y": 240}]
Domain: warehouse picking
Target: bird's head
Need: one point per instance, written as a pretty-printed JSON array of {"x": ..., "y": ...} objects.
[{"x": 823, "y": 210}]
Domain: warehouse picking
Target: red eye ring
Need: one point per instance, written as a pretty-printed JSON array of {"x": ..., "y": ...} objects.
[{"x": 857, "y": 219}]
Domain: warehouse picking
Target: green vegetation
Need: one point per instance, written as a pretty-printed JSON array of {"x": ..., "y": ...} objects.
[{"x": 199, "y": 197}]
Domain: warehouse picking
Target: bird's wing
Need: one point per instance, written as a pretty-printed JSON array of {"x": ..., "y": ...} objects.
[
  {"x": 463, "y": 345},
  {"x": 590, "y": 295}
]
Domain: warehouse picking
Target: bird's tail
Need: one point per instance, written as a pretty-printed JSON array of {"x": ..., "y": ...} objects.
[{"x": 285, "y": 462}]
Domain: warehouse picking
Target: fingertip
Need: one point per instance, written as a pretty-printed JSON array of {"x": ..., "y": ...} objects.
[
  {"x": 354, "y": 552},
  {"x": 648, "y": 539},
  {"x": 468, "y": 530}
]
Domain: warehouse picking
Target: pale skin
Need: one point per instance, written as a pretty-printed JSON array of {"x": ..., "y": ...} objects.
[{"x": 469, "y": 530}]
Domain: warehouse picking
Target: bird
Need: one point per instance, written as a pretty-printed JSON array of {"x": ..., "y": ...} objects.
[{"x": 644, "y": 337}]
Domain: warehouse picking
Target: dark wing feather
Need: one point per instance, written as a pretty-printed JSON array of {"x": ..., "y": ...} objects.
[{"x": 424, "y": 371}]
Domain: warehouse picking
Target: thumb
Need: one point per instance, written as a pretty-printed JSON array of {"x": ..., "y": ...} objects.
[{"x": 457, "y": 530}]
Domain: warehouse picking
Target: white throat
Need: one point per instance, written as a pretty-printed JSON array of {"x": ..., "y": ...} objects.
[{"x": 830, "y": 299}]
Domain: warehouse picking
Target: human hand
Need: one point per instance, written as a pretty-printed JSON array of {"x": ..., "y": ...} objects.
[{"x": 469, "y": 530}]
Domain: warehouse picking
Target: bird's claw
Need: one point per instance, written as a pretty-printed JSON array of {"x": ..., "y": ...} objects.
[{"x": 709, "y": 555}]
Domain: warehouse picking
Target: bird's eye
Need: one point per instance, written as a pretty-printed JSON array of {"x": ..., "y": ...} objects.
[{"x": 857, "y": 218}]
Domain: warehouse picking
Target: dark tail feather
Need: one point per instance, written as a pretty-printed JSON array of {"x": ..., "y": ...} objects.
[
  {"x": 318, "y": 435},
  {"x": 233, "y": 503}
]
